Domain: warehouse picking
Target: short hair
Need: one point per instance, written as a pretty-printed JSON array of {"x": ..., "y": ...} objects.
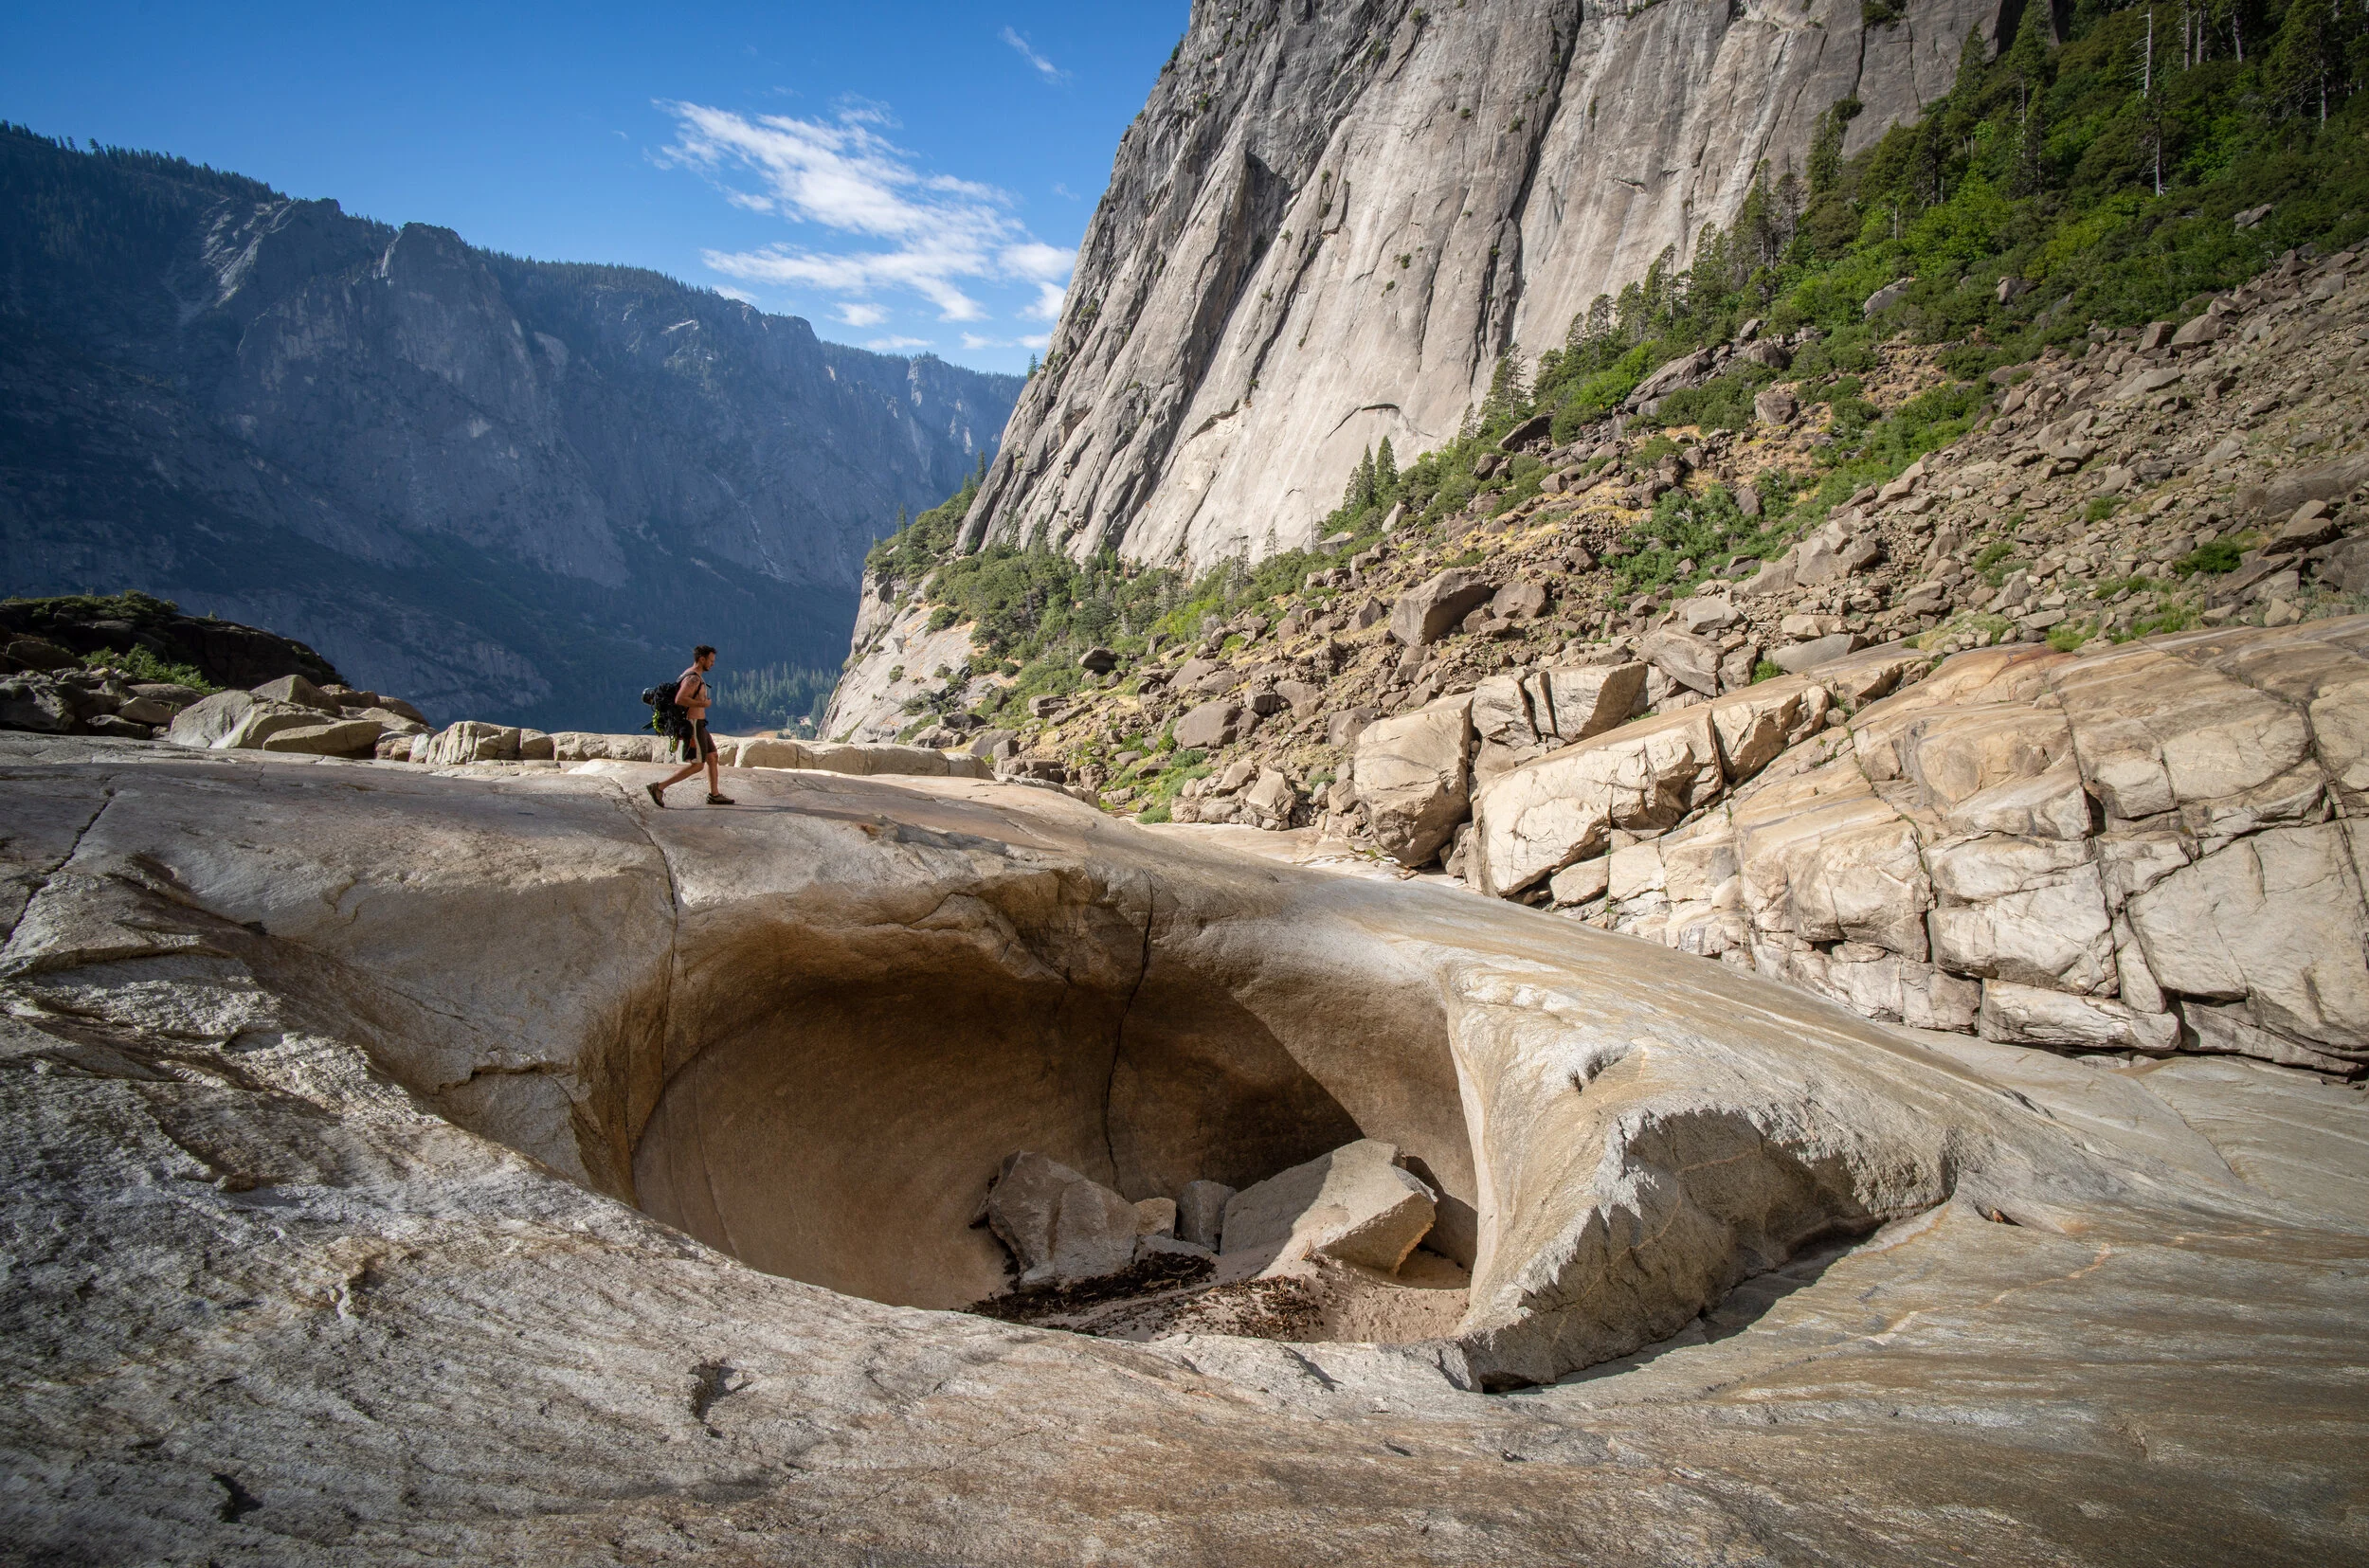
[{"x": 702, "y": 650}]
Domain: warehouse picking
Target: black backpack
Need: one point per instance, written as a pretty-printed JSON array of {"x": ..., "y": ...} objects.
[{"x": 669, "y": 719}]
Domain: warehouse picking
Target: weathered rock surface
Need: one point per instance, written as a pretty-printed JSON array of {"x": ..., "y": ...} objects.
[
  {"x": 1497, "y": 165},
  {"x": 226, "y": 653},
  {"x": 2137, "y": 848},
  {"x": 1411, "y": 775},
  {"x": 1356, "y": 1205},
  {"x": 324, "y": 1248},
  {"x": 1061, "y": 1227},
  {"x": 1201, "y": 1212},
  {"x": 1432, "y": 608}
]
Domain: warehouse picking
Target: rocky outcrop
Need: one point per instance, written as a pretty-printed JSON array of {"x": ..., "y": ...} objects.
[
  {"x": 898, "y": 653},
  {"x": 323, "y": 1146},
  {"x": 222, "y": 652},
  {"x": 2147, "y": 849},
  {"x": 490, "y": 482},
  {"x": 1325, "y": 228}
]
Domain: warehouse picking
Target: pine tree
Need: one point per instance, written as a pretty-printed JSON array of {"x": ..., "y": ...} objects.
[
  {"x": 2306, "y": 56},
  {"x": 1825, "y": 166},
  {"x": 1509, "y": 389},
  {"x": 1359, "y": 493},
  {"x": 1963, "y": 111},
  {"x": 1386, "y": 472},
  {"x": 2026, "y": 64}
]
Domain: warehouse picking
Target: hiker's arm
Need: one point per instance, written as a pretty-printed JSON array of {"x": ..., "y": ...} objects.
[{"x": 690, "y": 689}]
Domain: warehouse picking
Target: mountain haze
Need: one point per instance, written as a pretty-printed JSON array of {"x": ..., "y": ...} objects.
[{"x": 509, "y": 488}]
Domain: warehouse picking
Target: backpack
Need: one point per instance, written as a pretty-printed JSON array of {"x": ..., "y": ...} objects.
[{"x": 667, "y": 719}]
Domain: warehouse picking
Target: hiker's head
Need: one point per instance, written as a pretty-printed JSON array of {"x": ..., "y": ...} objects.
[{"x": 703, "y": 655}]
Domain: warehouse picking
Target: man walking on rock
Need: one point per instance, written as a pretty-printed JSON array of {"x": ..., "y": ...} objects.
[{"x": 693, "y": 698}]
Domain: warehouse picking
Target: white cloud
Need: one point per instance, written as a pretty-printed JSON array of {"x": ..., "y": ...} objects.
[
  {"x": 1044, "y": 68},
  {"x": 863, "y": 316},
  {"x": 975, "y": 341},
  {"x": 1048, "y": 305},
  {"x": 934, "y": 232},
  {"x": 1039, "y": 260},
  {"x": 731, "y": 293},
  {"x": 897, "y": 345}
]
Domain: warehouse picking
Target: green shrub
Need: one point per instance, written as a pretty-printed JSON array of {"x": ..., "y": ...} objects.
[
  {"x": 2214, "y": 559},
  {"x": 143, "y": 665},
  {"x": 1722, "y": 403}
]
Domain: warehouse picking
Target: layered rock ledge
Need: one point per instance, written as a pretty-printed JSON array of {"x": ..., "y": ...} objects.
[{"x": 406, "y": 1165}]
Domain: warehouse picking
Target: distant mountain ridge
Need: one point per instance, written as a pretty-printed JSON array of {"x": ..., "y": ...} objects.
[{"x": 509, "y": 488}]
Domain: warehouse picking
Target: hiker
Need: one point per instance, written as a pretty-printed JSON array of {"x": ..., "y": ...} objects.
[{"x": 693, "y": 698}]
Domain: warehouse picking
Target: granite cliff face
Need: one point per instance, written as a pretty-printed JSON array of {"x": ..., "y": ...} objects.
[
  {"x": 1329, "y": 222},
  {"x": 507, "y": 487}
]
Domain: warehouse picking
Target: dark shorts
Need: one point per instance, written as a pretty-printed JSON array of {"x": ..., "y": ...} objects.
[{"x": 697, "y": 745}]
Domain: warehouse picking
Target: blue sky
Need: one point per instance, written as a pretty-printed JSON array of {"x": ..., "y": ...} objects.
[{"x": 907, "y": 176}]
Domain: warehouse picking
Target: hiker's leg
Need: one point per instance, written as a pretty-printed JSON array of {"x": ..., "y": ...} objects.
[{"x": 687, "y": 769}]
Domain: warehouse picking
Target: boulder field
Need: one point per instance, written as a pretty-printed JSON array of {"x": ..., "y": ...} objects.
[{"x": 412, "y": 1165}]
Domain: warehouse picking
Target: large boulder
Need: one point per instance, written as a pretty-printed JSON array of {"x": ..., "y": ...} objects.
[
  {"x": 1692, "y": 662},
  {"x": 1201, "y": 1212},
  {"x": 1531, "y": 822},
  {"x": 1434, "y": 608},
  {"x": 2273, "y": 922},
  {"x": 210, "y": 721},
  {"x": 1344, "y": 724},
  {"x": 1354, "y": 1205},
  {"x": 472, "y": 741},
  {"x": 38, "y": 706},
  {"x": 1801, "y": 656},
  {"x": 2028, "y": 910},
  {"x": 1412, "y": 773},
  {"x": 1518, "y": 602},
  {"x": 297, "y": 692},
  {"x": 1674, "y": 375},
  {"x": 229, "y": 721},
  {"x": 2032, "y": 1015},
  {"x": 1574, "y": 703},
  {"x": 770, "y": 752},
  {"x": 1504, "y": 730},
  {"x": 1212, "y": 725},
  {"x": 1060, "y": 1226},
  {"x": 343, "y": 738},
  {"x": 1825, "y": 859}
]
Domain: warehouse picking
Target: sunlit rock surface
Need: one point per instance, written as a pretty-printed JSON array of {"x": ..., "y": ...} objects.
[{"x": 333, "y": 1092}]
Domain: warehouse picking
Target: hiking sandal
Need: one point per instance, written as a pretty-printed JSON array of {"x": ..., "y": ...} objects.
[
  {"x": 721, "y": 800},
  {"x": 657, "y": 796}
]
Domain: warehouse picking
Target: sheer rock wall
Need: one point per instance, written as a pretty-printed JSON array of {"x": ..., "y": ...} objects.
[{"x": 1329, "y": 222}]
